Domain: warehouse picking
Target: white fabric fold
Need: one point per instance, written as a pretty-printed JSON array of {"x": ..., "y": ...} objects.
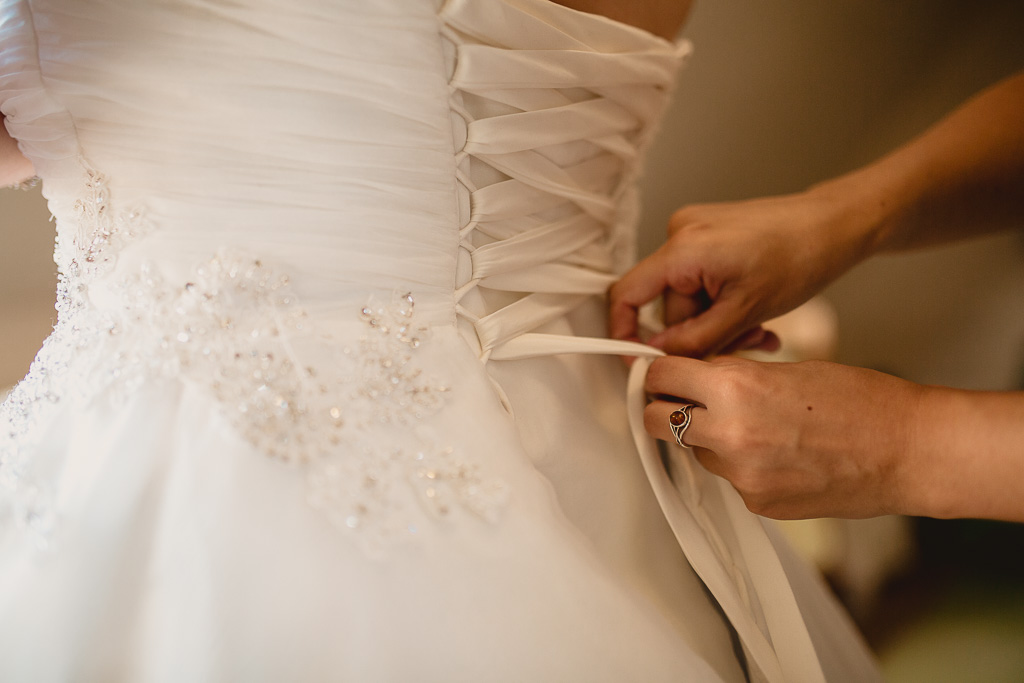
[
  {"x": 557, "y": 125},
  {"x": 783, "y": 652},
  {"x": 484, "y": 158},
  {"x": 554, "y": 128}
]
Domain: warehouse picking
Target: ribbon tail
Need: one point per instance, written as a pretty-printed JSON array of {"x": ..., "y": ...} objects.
[{"x": 792, "y": 657}]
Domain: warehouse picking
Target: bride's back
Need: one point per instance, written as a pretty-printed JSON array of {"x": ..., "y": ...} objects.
[{"x": 244, "y": 194}]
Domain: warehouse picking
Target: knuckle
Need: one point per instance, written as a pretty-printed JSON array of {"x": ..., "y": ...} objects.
[
  {"x": 743, "y": 382},
  {"x": 734, "y": 437},
  {"x": 732, "y": 386},
  {"x": 677, "y": 220},
  {"x": 686, "y": 219}
]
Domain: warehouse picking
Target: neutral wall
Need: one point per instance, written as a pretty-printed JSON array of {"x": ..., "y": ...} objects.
[
  {"x": 27, "y": 280},
  {"x": 778, "y": 95}
]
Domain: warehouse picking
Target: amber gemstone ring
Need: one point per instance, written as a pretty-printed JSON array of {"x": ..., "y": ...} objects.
[{"x": 678, "y": 421}]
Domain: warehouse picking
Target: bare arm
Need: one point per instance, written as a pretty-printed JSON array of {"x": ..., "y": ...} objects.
[
  {"x": 967, "y": 455},
  {"x": 728, "y": 267},
  {"x": 821, "y": 439},
  {"x": 963, "y": 176},
  {"x": 14, "y": 167}
]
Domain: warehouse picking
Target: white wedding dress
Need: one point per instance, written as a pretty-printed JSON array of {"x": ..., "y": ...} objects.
[{"x": 327, "y": 399}]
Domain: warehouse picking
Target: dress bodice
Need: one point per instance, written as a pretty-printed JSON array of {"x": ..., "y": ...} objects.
[
  {"x": 274, "y": 206},
  {"x": 255, "y": 199},
  {"x": 358, "y": 154},
  {"x": 233, "y": 184}
]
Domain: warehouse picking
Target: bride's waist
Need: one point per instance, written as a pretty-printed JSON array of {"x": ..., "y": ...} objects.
[
  {"x": 231, "y": 288},
  {"x": 238, "y": 325}
]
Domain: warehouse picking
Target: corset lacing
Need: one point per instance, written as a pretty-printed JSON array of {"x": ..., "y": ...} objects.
[
  {"x": 546, "y": 161},
  {"x": 548, "y": 137}
]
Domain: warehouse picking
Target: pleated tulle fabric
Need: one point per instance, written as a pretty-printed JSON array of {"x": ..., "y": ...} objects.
[{"x": 328, "y": 397}]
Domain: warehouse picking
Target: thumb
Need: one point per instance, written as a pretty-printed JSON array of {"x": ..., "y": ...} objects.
[
  {"x": 642, "y": 284},
  {"x": 704, "y": 334}
]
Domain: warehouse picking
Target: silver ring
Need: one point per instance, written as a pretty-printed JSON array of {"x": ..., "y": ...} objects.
[{"x": 679, "y": 421}]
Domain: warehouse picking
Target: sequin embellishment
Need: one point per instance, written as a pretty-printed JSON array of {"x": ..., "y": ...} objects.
[
  {"x": 98, "y": 233},
  {"x": 350, "y": 409},
  {"x": 25, "y": 185}
]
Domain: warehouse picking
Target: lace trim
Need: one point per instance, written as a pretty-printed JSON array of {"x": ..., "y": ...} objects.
[
  {"x": 236, "y": 329},
  {"x": 25, "y": 185},
  {"x": 31, "y": 405}
]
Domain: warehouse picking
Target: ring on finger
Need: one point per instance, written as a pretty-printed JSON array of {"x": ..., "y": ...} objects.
[{"x": 679, "y": 421}]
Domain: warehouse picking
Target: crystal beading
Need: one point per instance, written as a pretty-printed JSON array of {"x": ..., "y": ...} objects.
[
  {"x": 97, "y": 234},
  {"x": 352, "y": 415},
  {"x": 25, "y": 185}
]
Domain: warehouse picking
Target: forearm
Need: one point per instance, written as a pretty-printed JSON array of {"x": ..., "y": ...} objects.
[
  {"x": 967, "y": 455},
  {"x": 729, "y": 267},
  {"x": 14, "y": 167},
  {"x": 964, "y": 176}
]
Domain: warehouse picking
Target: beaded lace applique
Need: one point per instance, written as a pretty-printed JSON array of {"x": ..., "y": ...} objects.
[
  {"x": 25, "y": 185},
  {"x": 360, "y": 492},
  {"x": 235, "y": 329},
  {"x": 30, "y": 406}
]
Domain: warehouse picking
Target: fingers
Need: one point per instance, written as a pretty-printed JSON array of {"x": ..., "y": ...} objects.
[
  {"x": 756, "y": 339},
  {"x": 656, "y": 422},
  {"x": 709, "y": 332},
  {"x": 770, "y": 343},
  {"x": 684, "y": 378},
  {"x": 700, "y": 434},
  {"x": 679, "y": 307},
  {"x": 673, "y": 381},
  {"x": 640, "y": 285}
]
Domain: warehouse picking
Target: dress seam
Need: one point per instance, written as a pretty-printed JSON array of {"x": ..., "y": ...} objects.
[{"x": 452, "y": 316}]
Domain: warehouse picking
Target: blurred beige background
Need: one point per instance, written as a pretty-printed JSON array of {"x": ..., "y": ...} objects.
[
  {"x": 27, "y": 280},
  {"x": 779, "y": 95}
]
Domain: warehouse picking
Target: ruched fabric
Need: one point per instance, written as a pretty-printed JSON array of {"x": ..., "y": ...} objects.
[
  {"x": 548, "y": 155},
  {"x": 329, "y": 396}
]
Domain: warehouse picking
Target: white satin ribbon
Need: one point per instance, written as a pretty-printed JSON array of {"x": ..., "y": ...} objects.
[
  {"x": 783, "y": 651},
  {"x": 548, "y": 222}
]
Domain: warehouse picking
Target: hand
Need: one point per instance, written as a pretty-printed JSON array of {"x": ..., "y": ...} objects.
[
  {"x": 796, "y": 440},
  {"x": 726, "y": 268}
]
